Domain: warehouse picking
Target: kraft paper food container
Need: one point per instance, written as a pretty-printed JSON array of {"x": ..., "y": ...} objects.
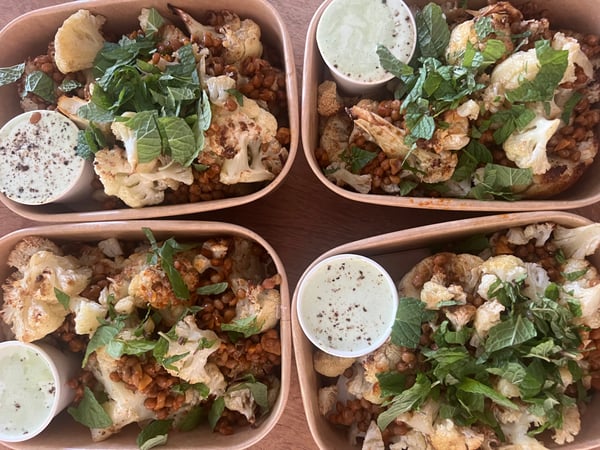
[
  {"x": 398, "y": 252},
  {"x": 122, "y": 17},
  {"x": 583, "y": 16},
  {"x": 64, "y": 432}
]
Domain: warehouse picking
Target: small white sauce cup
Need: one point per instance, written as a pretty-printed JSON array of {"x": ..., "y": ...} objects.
[
  {"x": 348, "y": 51},
  {"x": 40, "y": 164},
  {"x": 62, "y": 367},
  {"x": 346, "y": 305}
]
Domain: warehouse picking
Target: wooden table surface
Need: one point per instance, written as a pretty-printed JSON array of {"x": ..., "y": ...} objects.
[{"x": 301, "y": 220}]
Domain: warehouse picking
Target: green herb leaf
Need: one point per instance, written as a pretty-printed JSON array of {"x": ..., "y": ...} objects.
[
  {"x": 406, "y": 330},
  {"x": 215, "y": 412},
  {"x": 89, "y": 412},
  {"x": 154, "y": 434},
  {"x": 213, "y": 289},
  {"x": 69, "y": 85},
  {"x": 432, "y": 31},
  {"x": 391, "y": 383},
  {"x": 119, "y": 347},
  {"x": 40, "y": 84},
  {"x": 103, "y": 335},
  {"x": 239, "y": 97},
  {"x": 164, "y": 256},
  {"x": 62, "y": 297},
  {"x": 510, "y": 120},
  {"x": 248, "y": 326},
  {"x": 509, "y": 333},
  {"x": 501, "y": 182},
  {"x": 258, "y": 390},
  {"x": 356, "y": 158},
  {"x": 553, "y": 64},
  {"x": 576, "y": 275},
  {"x": 569, "y": 106},
  {"x": 471, "y": 157},
  {"x": 392, "y": 64},
  {"x": 180, "y": 139},
  {"x": 11, "y": 74},
  {"x": 193, "y": 418},
  {"x": 405, "y": 401},
  {"x": 475, "y": 387},
  {"x": 153, "y": 22}
]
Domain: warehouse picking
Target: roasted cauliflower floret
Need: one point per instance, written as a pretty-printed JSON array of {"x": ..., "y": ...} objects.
[
  {"x": 264, "y": 305},
  {"x": 245, "y": 141},
  {"x": 330, "y": 365},
  {"x": 240, "y": 38},
  {"x": 577, "y": 242},
  {"x": 527, "y": 148},
  {"x": 341, "y": 176},
  {"x": 78, "y": 40},
  {"x": 500, "y": 16},
  {"x": 196, "y": 346},
  {"x": 448, "y": 436},
  {"x": 123, "y": 405},
  {"x": 142, "y": 186},
  {"x": 585, "y": 289},
  {"x": 31, "y": 307}
]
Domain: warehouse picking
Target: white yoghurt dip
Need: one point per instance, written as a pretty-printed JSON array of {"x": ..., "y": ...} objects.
[
  {"x": 39, "y": 160},
  {"x": 349, "y": 32},
  {"x": 347, "y": 305},
  {"x": 27, "y": 393}
]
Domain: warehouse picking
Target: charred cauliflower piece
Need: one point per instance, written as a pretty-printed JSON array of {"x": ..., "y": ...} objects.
[
  {"x": 240, "y": 38},
  {"x": 245, "y": 141},
  {"x": 78, "y": 41},
  {"x": 143, "y": 185},
  {"x": 30, "y": 306},
  {"x": 196, "y": 345}
]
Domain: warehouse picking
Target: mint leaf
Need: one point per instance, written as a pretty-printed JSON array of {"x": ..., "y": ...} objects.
[
  {"x": 11, "y": 74},
  {"x": 215, "y": 412},
  {"x": 40, "y": 84},
  {"x": 213, "y": 289},
  {"x": 69, "y": 85},
  {"x": 152, "y": 23},
  {"x": 154, "y": 434},
  {"x": 147, "y": 136},
  {"x": 103, "y": 335},
  {"x": 553, "y": 64},
  {"x": 193, "y": 418},
  {"x": 119, "y": 347},
  {"x": 180, "y": 139},
  {"x": 239, "y": 97},
  {"x": 405, "y": 401},
  {"x": 164, "y": 255},
  {"x": 356, "y": 158},
  {"x": 248, "y": 326},
  {"x": 406, "y": 330},
  {"x": 391, "y": 383},
  {"x": 471, "y": 157},
  {"x": 89, "y": 412},
  {"x": 258, "y": 390},
  {"x": 569, "y": 106},
  {"x": 475, "y": 387},
  {"x": 509, "y": 333},
  {"x": 501, "y": 182},
  {"x": 62, "y": 297},
  {"x": 433, "y": 32}
]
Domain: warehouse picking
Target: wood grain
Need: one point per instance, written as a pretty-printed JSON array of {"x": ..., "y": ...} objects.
[{"x": 301, "y": 220}]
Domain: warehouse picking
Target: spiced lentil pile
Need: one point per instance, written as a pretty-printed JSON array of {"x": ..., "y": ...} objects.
[{"x": 179, "y": 332}]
